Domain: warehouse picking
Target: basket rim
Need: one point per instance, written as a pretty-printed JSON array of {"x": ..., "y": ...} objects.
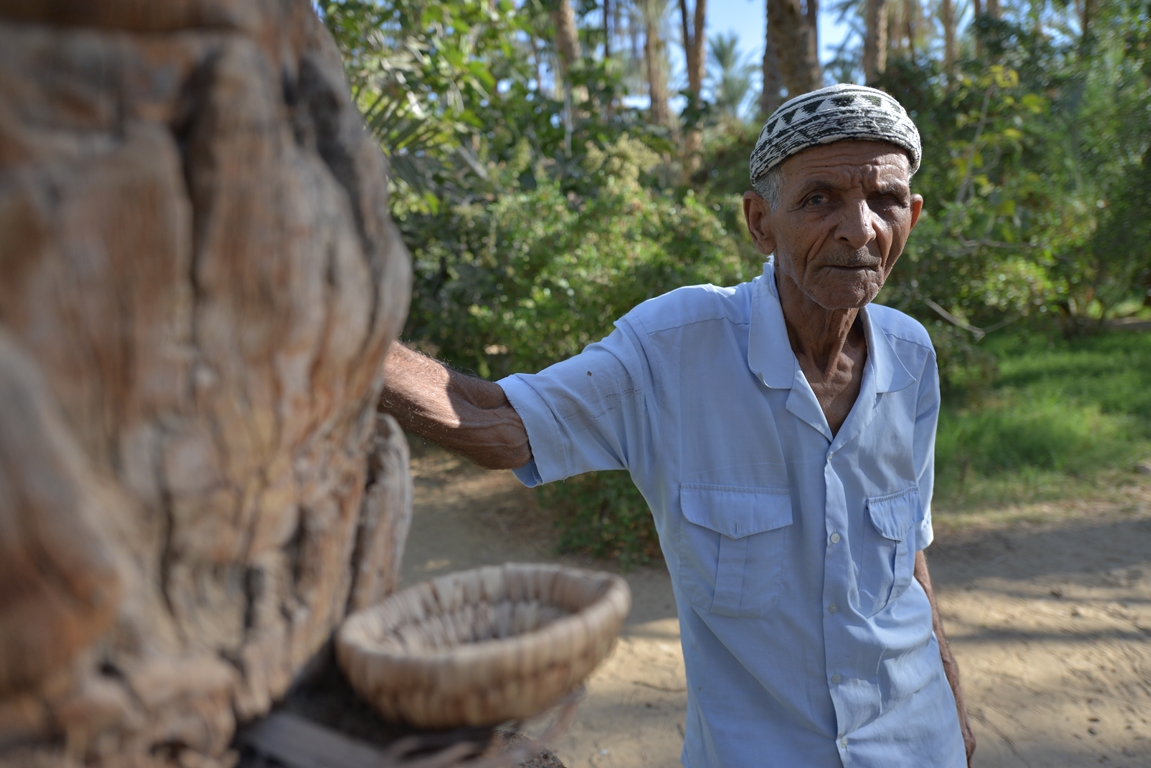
[{"x": 556, "y": 643}]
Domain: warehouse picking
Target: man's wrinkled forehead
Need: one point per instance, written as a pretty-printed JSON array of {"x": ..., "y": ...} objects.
[
  {"x": 851, "y": 161},
  {"x": 830, "y": 115}
]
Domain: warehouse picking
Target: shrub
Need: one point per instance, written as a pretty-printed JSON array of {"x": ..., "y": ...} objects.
[{"x": 603, "y": 515}]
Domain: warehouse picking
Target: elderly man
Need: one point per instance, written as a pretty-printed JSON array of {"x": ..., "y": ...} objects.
[{"x": 782, "y": 432}]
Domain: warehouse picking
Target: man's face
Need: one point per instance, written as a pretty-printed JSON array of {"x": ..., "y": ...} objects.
[{"x": 844, "y": 214}]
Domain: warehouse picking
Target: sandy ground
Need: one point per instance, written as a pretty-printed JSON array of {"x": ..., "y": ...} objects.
[{"x": 1050, "y": 621}]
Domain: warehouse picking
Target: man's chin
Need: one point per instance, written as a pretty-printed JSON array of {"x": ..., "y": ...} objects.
[{"x": 841, "y": 297}]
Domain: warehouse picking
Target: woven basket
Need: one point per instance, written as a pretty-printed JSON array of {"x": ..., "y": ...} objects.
[{"x": 480, "y": 647}]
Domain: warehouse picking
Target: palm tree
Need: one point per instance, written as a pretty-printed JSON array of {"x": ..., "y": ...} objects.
[{"x": 730, "y": 74}]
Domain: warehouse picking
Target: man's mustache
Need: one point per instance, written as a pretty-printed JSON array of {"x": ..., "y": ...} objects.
[{"x": 860, "y": 258}]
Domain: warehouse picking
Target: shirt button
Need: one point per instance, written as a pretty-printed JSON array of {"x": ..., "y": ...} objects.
[
  {"x": 832, "y": 608},
  {"x": 835, "y": 538},
  {"x": 836, "y": 679},
  {"x": 843, "y": 742}
]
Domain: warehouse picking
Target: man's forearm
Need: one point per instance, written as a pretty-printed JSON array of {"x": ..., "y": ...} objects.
[
  {"x": 950, "y": 666},
  {"x": 464, "y": 414}
]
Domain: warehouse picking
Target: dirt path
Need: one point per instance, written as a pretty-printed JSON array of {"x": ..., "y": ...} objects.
[{"x": 1051, "y": 623}]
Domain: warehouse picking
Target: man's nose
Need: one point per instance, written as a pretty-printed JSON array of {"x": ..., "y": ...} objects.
[{"x": 856, "y": 228}]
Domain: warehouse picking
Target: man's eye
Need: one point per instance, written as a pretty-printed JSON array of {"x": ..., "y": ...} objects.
[{"x": 817, "y": 199}]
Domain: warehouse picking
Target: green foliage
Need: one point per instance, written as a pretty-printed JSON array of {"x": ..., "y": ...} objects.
[
  {"x": 538, "y": 273},
  {"x": 538, "y": 212},
  {"x": 603, "y": 515},
  {"x": 422, "y": 74},
  {"x": 731, "y": 76},
  {"x": 1034, "y": 176}
]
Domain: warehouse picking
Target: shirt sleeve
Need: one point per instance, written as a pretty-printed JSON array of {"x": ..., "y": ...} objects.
[
  {"x": 926, "y": 424},
  {"x": 585, "y": 413}
]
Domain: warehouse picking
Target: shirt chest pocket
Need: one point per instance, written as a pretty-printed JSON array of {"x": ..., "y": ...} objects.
[
  {"x": 732, "y": 546},
  {"x": 888, "y": 554}
]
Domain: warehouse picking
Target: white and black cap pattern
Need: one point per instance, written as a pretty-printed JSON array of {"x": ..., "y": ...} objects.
[{"x": 835, "y": 113}]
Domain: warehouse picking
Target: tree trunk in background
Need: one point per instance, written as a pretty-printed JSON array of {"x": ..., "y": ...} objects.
[
  {"x": 875, "y": 40},
  {"x": 567, "y": 36},
  {"x": 993, "y": 9},
  {"x": 694, "y": 44},
  {"x": 812, "y": 10},
  {"x": 606, "y": 29},
  {"x": 771, "y": 96},
  {"x": 199, "y": 284},
  {"x": 909, "y": 9},
  {"x": 654, "y": 54},
  {"x": 1087, "y": 17},
  {"x": 794, "y": 43},
  {"x": 947, "y": 21},
  {"x": 894, "y": 29},
  {"x": 695, "y": 52},
  {"x": 976, "y": 12}
]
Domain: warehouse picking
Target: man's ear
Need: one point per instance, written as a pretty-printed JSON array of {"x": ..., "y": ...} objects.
[
  {"x": 916, "y": 209},
  {"x": 757, "y": 213}
]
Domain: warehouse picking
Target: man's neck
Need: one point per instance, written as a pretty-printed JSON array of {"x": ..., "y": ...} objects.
[{"x": 819, "y": 337}]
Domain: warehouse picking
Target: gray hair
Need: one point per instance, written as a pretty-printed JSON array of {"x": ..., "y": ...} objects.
[{"x": 770, "y": 187}]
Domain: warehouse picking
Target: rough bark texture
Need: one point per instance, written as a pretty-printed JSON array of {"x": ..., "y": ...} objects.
[
  {"x": 695, "y": 51},
  {"x": 947, "y": 21},
  {"x": 567, "y": 36},
  {"x": 771, "y": 96},
  {"x": 793, "y": 39},
  {"x": 655, "y": 59},
  {"x": 694, "y": 43},
  {"x": 875, "y": 40},
  {"x": 198, "y": 284}
]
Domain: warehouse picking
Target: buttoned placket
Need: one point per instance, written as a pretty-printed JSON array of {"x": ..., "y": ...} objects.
[
  {"x": 837, "y": 564},
  {"x": 803, "y": 404},
  {"x": 837, "y": 600}
]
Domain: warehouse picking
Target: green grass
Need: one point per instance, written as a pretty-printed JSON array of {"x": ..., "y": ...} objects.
[{"x": 1062, "y": 418}]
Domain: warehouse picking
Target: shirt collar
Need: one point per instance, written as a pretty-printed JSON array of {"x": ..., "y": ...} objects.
[{"x": 769, "y": 352}]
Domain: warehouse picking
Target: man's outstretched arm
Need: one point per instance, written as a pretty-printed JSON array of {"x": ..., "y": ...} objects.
[
  {"x": 950, "y": 666},
  {"x": 464, "y": 414}
]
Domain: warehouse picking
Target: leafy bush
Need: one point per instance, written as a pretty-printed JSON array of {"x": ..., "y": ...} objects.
[
  {"x": 603, "y": 515},
  {"x": 540, "y": 272}
]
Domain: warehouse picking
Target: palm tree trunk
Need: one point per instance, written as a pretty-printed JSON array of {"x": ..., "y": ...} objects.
[
  {"x": 909, "y": 19},
  {"x": 976, "y": 12},
  {"x": 567, "y": 37},
  {"x": 770, "y": 97},
  {"x": 875, "y": 40},
  {"x": 606, "y": 29},
  {"x": 947, "y": 21},
  {"x": 653, "y": 53},
  {"x": 694, "y": 42},
  {"x": 793, "y": 39},
  {"x": 194, "y": 485}
]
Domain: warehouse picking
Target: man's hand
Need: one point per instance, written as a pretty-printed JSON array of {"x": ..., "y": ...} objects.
[
  {"x": 950, "y": 666},
  {"x": 464, "y": 414}
]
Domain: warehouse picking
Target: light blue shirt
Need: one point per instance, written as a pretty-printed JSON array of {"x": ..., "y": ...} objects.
[{"x": 807, "y": 642}]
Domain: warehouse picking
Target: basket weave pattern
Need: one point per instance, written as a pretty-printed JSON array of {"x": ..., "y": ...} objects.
[{"x": 481, "y": 647}]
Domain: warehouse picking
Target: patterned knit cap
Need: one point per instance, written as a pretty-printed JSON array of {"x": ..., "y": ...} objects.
[{"x": 835, "y": 113}]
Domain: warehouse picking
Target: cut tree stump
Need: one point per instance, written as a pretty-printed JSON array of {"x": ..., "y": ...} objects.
[{"x": 198, "y": 284}]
